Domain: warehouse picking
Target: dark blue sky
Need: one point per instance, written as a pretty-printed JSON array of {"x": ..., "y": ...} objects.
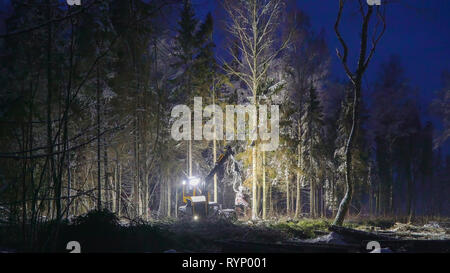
[{"x": 417, "y": 31}]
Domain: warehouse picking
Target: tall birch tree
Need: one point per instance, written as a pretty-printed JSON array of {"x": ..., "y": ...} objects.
[{"x": 254, "y": 24}]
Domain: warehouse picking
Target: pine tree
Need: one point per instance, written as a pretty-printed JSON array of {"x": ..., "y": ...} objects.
[
  {"x": 193, "y": 51},
  {"x": 312, "y": 132}
]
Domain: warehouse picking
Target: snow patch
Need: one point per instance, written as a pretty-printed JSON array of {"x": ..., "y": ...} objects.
[{"x": 331, "y": 238}]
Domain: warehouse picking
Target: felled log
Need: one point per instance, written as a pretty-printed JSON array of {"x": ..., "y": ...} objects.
[
  {"x": 231, "y": 246},
  {"x": 354, "y": 235}
]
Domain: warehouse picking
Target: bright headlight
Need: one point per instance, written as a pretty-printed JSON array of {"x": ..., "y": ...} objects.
[{"x": 194, "y": 181}]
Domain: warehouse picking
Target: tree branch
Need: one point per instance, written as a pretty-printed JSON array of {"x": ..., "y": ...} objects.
[{"x": 344, "y": 45}]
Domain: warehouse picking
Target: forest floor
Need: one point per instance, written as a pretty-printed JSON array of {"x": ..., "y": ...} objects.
[
  {"x": 274, "y": 235},
  {"x": 103, "y": 232}
]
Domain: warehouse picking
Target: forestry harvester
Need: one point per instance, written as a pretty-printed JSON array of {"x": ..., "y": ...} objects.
[{"x": 196, "y": 197}]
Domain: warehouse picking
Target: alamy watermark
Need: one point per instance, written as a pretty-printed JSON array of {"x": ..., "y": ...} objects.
[
  {"x": 374, "y": 246},
  {"x": 374, "y": 2},
  {"x": 74, "y": 247},
  {"x": 73, "y": 2},
  {"x": 213, "y": 128}
]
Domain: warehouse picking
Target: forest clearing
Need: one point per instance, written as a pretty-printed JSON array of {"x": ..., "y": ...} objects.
[{"x": 103, "y": 232}]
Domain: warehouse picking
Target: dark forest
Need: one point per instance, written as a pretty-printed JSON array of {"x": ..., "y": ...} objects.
[{"x": 171, "y": 122}]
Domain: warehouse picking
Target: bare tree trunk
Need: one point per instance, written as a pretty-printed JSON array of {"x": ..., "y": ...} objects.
[
  {"x": 99, "y": 184},
  {"x": 162, "y": 197},
  {"x": 146, "y": 196},
  {"x": 258, "y": 200},
  {"x": 298, "y": 204},
  {"x": 264, "y": 213},
  {"x": 137, "y": 190},
  {"x": 24, "y": 187},
  {"x": 190, "y": 157},
  {"x": 411, "y": 194},
  {"x": 114, "y": 190},
  {"x": 356, "y": 80},
  {"x": 187, "y": 158},
  {"x": 169, "y": 198},
  {"x": 51, "y": 173},
  {"x": 214, "y": 145},
  {"x": 176, "y": 202},
  {"x": 270, "y": 201},
  {"x": 286, "y": 173},
  {"x": 378, "y": 200},
  {"x": 293, "y": 202},
  {"x": 69, "y": 184},
  {"x": 66, "y": 121},
  {"x": 369, "y": 180},
  {"x": 105, "y": 167},
  {"x": 119, "y": 190},
  {"x": 345, "y": 203},
  {"x": 311, "y": 198},
  {"x": 391, "y": 194},
  {"x": 323, "y": 201},
  {"x": 254, "y": 180}
]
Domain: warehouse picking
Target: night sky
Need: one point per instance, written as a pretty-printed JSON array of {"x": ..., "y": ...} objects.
[{"x": 417, "y": 31}]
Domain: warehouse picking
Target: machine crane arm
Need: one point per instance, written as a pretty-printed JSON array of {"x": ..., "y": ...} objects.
[{"x": 219, "y": 164}]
